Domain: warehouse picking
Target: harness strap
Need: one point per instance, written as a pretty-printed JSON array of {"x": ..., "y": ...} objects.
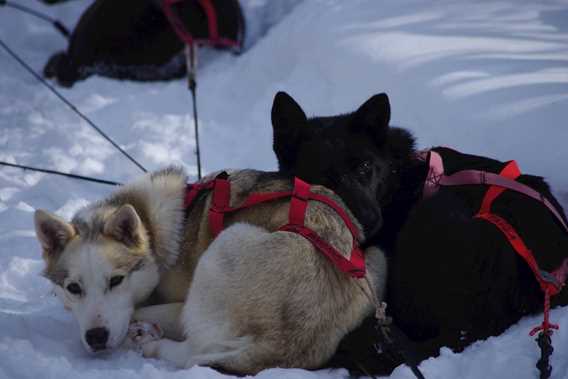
[
  {"x": 482, "y": 177},
  {"x": 299, "y": 203},
  {"x": 354, "y": 266},
  {"x": 212, "y": 25},
  {"x": 300, "y": 195},
  {"x": 219, "y": 203},
  {"x": 510, "y": 171},
  {"x": 211, "y": 19},
  {"x": 435, "y": 172},
  {"x": 437, "y": 178},
  {"x": 550, "y": 283},
  {"x": 193, "y": 190}
]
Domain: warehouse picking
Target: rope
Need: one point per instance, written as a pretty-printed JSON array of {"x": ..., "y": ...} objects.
[
  {"x": 191, "y": 62},
  {"x": 383, "y": 328},
  {"x": 545, "y": 344},
  {"x": 68, "y": 103},
  {"x": 56, "y": 23},
  {"x": 54, "y": 172}
]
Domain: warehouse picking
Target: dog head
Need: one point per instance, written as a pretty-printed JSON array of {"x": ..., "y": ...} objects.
[
  {"x": 101, "y": 267},
  {"x": 356, "y": 155}
]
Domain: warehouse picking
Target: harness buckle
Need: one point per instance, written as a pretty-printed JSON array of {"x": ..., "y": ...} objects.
[
  {"x": 550, "y": 279},
  {"x": 300, "y": 195}
]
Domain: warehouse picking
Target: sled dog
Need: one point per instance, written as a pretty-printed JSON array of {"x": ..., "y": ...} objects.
[
  {"x": 454, "y": 276},
  {"x": 252, "y": 298}
]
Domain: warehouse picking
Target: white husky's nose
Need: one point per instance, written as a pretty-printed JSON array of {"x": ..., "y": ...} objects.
[{"x": 97, "y": 338}]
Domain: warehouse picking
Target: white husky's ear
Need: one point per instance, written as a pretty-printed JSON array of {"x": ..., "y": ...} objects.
[
  {"x": 52, "y": 232},
  {"x": 125, "y": 226}
]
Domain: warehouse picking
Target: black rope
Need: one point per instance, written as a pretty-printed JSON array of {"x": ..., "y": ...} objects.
[
  {"x": 545, "y": 343},
  {"x": 392, "y": 339},
  {"x": 190, "y": 57},
  {"x": 56, "y": 23},
  {"x": 54, "y": 172},
  {"x": 68, "y": 103}
]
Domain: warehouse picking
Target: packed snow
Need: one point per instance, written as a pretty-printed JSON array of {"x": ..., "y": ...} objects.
[{"x": 485, "y": 77}]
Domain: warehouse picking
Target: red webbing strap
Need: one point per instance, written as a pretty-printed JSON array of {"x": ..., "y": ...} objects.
[
  {"x": 519, "y": 245},
  {"x": 257, "y": 198},
  {"x": 510, "y": 171},
  {"x": 175, "y": 22},
  {"x": 549, "y": 283},
  {"x": 340, "y": 211},
  {"x": 192, "y": 190},
  {"x": 355, "y": 265},
  {"x": 212, "y": 24},
  {"x": 468, "y": 177},
  {"x": 301, "y": 194},
  {"x": 219, "y": 204},
  {"x": 211, "y": 19},
  {"x": 299, "y": 202}
]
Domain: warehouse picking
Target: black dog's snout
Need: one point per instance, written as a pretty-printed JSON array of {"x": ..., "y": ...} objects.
[{"x": 97, "y": 338}]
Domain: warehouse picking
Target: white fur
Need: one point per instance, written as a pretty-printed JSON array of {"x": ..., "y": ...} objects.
[
  {"x": 85, "y": 262},
  {"x": 205, "y": 320},
  {"x": 100, "y": 306}
]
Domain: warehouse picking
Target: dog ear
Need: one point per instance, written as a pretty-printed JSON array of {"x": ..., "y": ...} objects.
[
  {"x": 52, "y": 232},
  {"x": 125, "y": 226},
  {"x": 288, "y": 120},
  {"x": 373, "y": 117}
]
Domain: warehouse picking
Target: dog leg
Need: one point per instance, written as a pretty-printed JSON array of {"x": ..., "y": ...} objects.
[
  {"x": 181, "y": 353},
  {"x": 178, "y": 353},
  {"x": 167, "y": 316}
]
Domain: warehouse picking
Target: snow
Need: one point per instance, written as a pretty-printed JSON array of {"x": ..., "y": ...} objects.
[{"x": 486, "y": 77}]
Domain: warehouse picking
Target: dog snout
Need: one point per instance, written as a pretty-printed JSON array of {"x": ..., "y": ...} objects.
[
  {"x": 97, "y": 338},
  {"x": 372, "y": 220}
]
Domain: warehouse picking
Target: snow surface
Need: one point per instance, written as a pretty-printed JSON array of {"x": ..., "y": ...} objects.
[{"x": 486, "y": 77}]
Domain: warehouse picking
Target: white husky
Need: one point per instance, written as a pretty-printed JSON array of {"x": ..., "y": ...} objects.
[{"x": 253, "y": 298}]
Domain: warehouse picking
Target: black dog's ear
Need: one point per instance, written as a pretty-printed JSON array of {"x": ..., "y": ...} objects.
[
  {"x": 373, "y": 117},
  {"x": 288, "y": 120}
]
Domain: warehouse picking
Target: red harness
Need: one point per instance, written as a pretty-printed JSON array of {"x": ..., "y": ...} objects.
[
  {"x": 550, "y": 283},
  {"x": 214, "y": 38},
  {"x": 300, "y": 195}
]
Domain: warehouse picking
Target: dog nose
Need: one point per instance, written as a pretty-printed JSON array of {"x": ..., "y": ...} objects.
[{"x": 97, "y": 338}]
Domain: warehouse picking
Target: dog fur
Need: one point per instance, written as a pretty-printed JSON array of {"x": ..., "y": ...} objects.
[
  {"x": 132, "y": 39},
  {"x": 453, "y": 279},
  {"x": 254, "y": 297}
]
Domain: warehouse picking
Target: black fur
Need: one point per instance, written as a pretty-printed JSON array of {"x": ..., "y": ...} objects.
[
  {"x": 132, "y": 39},
  {"x": 453, "y": 279},
  {"x": 327, "y": 151}
]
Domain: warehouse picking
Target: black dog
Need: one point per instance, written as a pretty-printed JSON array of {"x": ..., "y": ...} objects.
[
  {"x": 132, "y": 39},
  {"x": 453, "y": 279}
]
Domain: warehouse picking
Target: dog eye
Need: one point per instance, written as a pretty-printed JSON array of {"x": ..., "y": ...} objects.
[
  {"x": 115, "y": 281},
  {"x": 74, "y": 288},
  {"x": 364, "y": 168}
]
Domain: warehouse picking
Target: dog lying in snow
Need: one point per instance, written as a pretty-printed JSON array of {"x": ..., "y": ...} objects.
[
  {"x": 252, "y": 298},
  {"x": 454, "y": 277},
  {"x": 132, "y": 39}
]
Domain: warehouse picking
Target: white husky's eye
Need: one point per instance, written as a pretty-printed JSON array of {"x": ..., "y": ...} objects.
[
  {"x": 115, "y": 281},
  {"x": 74, "y": 288}
]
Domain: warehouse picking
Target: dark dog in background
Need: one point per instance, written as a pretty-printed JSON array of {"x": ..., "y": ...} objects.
[
  {"x": 453, "y": 279},
  {"x": 132, "y": 39}
]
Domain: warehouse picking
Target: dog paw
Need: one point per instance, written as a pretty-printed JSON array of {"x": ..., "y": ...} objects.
[
  {"x": 150, "y": 349},
  {"x": 141, "y": 333}
]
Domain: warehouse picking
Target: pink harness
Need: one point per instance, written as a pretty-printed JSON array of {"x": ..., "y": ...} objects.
[{"x": 550, "y": 283}]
